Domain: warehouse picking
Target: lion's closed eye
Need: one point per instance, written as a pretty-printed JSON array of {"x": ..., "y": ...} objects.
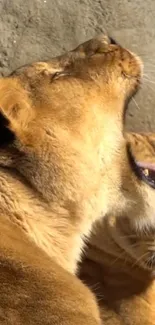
[{"x": 59, "y": 74}]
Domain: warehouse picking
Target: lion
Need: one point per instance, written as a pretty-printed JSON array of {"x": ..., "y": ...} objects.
[
  {"x": 61, "y": 131},
  {"x": 119, "y": 264}
]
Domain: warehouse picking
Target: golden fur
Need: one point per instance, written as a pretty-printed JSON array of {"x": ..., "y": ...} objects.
[
  {"x": 120, "y": 261},
  {"x": 61, "y": 130}
]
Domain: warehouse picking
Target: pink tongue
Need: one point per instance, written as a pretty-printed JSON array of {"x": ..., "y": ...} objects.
[{"x": 146, "y": 165}]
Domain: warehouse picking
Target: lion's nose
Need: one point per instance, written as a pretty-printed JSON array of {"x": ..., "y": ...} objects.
[
  {"x": 99, "y": 44},
  {"x": 107, "y": 39}
]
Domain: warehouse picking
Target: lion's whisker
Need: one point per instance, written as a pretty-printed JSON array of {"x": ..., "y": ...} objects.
[
  {"x": 146, "y": 79},
  {"x": 139, "y": 259},
  {"x": 133, "y": 99}
]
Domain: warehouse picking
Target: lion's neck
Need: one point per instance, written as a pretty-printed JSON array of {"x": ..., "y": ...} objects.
[
  {"x": 59, "y": 227},
  {"x": 49, "y": 226}
]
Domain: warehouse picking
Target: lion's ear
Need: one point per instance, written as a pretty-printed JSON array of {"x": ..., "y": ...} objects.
[
  {"x": 15, "y": 109},
  {"x": 7, "y": 136}
]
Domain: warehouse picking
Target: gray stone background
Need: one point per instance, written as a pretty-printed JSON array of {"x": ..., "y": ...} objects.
[{"x": 39, "y": 29}]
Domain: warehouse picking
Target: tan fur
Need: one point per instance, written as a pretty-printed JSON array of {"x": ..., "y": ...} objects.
[
  {"x": 67, "y": 128},
  {"x": 120, "y": 262}
]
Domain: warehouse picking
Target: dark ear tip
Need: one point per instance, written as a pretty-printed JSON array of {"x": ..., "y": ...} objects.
[{"x": 112, "y": 41}]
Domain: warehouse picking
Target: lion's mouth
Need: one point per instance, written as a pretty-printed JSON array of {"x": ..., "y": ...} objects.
[
  {"x": 148, "y": 175},
  {"x": 147, "y": 172}
]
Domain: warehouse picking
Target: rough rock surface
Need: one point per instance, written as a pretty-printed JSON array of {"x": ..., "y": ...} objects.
[{"x": 39, "y": 29}]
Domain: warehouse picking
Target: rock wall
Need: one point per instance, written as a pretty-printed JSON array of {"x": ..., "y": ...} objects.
[{"x": 39, "y": 29}]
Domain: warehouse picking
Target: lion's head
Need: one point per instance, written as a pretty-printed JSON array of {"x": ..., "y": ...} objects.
[{"x": 62, "y": 126}]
